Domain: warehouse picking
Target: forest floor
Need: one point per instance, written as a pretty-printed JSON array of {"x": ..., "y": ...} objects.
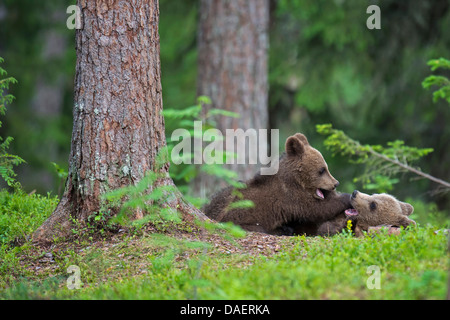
[
  {"x": 186, "y": 261},
  {"x": 40, "y": 260},
  {"x": 204, "y": 265}
]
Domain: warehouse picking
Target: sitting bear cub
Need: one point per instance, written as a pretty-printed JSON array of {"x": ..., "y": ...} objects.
[
  {"x": 368, "y": 211},
  {"x": 303, "y": 190}
]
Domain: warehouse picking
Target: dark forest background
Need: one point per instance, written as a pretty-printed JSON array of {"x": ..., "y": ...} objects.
[{"x": 325, "y": 66}]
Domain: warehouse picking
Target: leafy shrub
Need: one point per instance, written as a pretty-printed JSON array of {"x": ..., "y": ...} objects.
[
  {"x": 440, "y": 81},
  {"x": 138, "y": 198},
  {"x": 381, "y": 163},
  {"x": 184, "y": 173},
  {"x": 7, "y": 161}
]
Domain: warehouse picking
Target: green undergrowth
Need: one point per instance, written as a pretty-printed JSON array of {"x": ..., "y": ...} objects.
[
  {"x": 144, "y": 265},
  {"x": 22, "y": 213},
  {"x": 411, "y": 266}
]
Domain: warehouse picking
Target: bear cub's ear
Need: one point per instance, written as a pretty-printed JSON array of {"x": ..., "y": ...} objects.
[
  {"x": 407, "y": 209},
  {"x": 295, "y": 145},
  {"x": 302, "y": 138}
]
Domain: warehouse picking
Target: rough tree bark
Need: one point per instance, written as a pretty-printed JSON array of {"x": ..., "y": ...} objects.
[
  {"x": 118, "y": 127},
  {"x": 232, "y": 69}
]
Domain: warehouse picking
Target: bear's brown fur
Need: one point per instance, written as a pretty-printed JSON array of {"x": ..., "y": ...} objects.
[
  {"x": 368, "y": 211},
  {"x": 380, "y": 209},
  {"x": 303, "y": 190},
  {"x": 327, "y": 228}
]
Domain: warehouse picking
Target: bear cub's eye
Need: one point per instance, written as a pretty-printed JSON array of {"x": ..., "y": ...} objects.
[
  {"x": 322, "y": 171},
  {"x": 373, "y": 206}
]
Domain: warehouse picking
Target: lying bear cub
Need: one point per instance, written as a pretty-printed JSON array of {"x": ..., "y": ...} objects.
[{"x": 368, "y": 211}]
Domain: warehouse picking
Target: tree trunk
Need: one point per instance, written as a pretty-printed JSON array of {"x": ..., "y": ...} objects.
[
  {"x": 118, "y": 127},
  {"x": 232, "y": 69}
]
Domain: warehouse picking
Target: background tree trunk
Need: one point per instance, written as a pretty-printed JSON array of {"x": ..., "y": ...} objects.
[
  {"x": 232, "y": 69},
  {"x": 118, "y": 127}
]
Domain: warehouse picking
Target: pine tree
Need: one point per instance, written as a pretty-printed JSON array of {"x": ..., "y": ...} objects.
[{"x": 118, "y": 126}]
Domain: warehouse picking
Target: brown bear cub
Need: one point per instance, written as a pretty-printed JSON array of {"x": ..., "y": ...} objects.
[
  {"x": 368, "y": 211},
  {"x": 303, "y": 190},
  {"x": 379, "y": 209}
]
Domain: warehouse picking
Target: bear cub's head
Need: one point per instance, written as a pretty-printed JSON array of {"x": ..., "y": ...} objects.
[
  {"x": 308, "y": 168},
  {"x": 379, "y": 209}
]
